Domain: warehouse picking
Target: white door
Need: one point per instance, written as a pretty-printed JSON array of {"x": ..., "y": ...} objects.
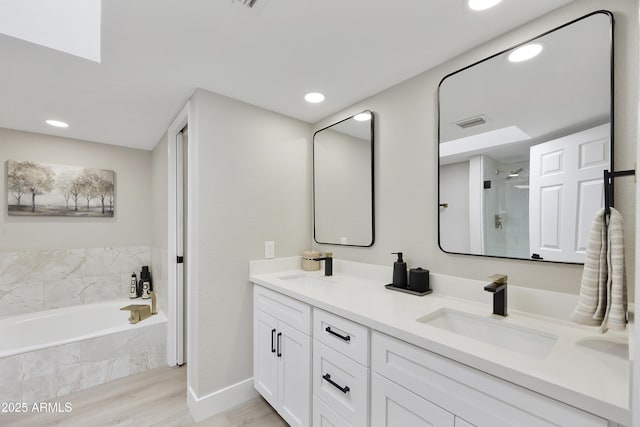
[
  {"x": 294, "y": 388},
  {"x": 265, "y": 356},
  {"x": 395, "y": 406},
  {"x": 565, "y": 192},
  {"x": 181, "y": 244}
]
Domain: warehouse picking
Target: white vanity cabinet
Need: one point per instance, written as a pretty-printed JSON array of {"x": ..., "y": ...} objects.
[
  {"x": 340, "y": 371},
  {"x": 282, "y": 354},
  {"x": 410, "y": 383},
  {"x": 393, "y": 405}
]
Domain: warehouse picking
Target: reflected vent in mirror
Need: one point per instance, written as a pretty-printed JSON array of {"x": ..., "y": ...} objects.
[
  {"x": 473, "y": 121},
  {"x": 247, "y": 3}
]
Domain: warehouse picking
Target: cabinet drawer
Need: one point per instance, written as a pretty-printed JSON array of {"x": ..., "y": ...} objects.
[
  {"x": 323, "y": 416},
  {"x": 482, "y": 399},
  {"x": 288, "y": 310},
  {"x": 345, "y": 336},
  {"x": 341, "y": 383}
]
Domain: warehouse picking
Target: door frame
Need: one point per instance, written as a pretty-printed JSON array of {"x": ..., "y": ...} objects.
[{"x": 182, "y": 119}]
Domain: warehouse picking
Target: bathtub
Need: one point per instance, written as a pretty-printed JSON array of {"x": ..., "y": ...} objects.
[{"x": 52, "y": 353}]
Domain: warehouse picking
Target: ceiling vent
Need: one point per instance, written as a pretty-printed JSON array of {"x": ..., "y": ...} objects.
[
  {"x": 473, "y": 121},
  {"x": 247, "y": 3}
]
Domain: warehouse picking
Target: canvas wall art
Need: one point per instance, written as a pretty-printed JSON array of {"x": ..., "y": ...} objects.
[{"x": 38, "y": 189}]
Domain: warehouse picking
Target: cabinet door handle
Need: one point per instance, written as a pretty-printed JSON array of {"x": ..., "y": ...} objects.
[
  {"x": 346, "y": 338},
  {"x": 279, "y": 335},
  {"x": 273, "y": 348},
  {"x": 328, "y": 379}
]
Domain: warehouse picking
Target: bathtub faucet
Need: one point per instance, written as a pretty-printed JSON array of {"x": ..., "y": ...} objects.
[{"x": 138, "y": 312}]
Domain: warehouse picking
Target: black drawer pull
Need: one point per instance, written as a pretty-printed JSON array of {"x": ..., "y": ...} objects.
[
  {"x": 279, "y": 335},
  {"x": 328, "y": 329},
  {"x": 328, "y": 379},
  {"x": 273, "y": 348}
]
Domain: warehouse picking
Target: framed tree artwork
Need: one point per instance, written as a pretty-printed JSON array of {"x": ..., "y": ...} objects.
[{"x": 38, "y": 189}]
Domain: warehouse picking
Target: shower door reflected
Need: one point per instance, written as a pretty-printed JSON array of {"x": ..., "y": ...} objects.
[{"x": 506, "y": 208}]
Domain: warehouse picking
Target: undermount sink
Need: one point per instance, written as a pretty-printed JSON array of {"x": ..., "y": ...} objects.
[
  {"x": 492, "y": 331},
  {"x": 303, "y": 279}
]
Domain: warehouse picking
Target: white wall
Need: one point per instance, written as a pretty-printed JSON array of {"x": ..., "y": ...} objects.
[
  {"x": 159, "y": 235},
  {"x": 253, "y": 171},
  {"x": 406, "y": 171},
  {"x": 129, "y": 227}
]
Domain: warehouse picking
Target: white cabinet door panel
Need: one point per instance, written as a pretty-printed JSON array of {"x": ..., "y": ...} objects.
[
  {"x": 395, "y": 406},
  {"x": 294, "y": 387},
  {"x": 265, "y": 362},
  {"x": 323, "y": 416},
  {"x": 462, "y": 423}
]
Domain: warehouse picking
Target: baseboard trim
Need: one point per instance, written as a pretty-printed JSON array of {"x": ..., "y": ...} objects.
[{"x": 221, "y": 400}]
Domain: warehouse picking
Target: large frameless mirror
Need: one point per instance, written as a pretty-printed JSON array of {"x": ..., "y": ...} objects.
[
  {"x": 524, "y": 137},
  {"x": 343, "y": 182}
]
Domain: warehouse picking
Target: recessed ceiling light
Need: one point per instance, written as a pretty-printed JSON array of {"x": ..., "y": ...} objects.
[
  {"x": 314, "y": 97},
  {"x": 482, "y": 4},
  {"x": 526, "y": 52},
  {"x": 362, "y": 117},
  {"x": 57, "y": 123}
]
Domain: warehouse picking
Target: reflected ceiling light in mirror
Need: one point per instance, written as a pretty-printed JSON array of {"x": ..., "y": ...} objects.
[
  {"x": 526, "y": 52},
  {"x": 314, "y": 97},
  {"x": 362, "y": 117},
  {"x": 482, "y": 4},
  {"x": 57, "y": 123}
]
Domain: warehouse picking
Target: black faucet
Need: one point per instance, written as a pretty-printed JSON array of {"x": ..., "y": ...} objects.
[
  {"x": 499, "y": 289},
  {"x": 328, "y": 263}
]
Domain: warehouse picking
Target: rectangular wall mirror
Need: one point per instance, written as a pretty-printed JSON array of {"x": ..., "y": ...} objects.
[
  {"x": 343, "y": 182},
  {"x": 523, "y": 144}
]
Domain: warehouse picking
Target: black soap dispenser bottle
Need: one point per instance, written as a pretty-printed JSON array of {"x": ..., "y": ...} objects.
[{"x": 399, "y": 272}]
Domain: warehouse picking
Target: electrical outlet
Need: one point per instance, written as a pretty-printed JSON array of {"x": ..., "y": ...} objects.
[
  {"x": 269, "y": 249},
  {"x": 343, "y": 241}
]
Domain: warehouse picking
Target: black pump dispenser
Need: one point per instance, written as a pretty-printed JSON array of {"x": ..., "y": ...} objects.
[{"x": 399, "y": 271}]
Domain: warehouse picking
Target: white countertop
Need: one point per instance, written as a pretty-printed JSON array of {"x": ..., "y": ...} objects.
[{"x": 584, "y": 369}]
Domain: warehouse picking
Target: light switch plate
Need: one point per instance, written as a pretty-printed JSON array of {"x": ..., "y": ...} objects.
[{"x": 269, "y": 249}]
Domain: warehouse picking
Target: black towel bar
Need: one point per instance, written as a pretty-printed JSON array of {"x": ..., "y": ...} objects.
[{"x": 608, "y": 186}]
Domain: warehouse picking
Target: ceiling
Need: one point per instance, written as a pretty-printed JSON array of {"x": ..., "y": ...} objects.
[
  {"x": 155, "y": 53},
  {"x": 563, "y": 90}
]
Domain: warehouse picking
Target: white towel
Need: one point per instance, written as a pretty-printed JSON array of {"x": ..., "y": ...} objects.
[
  {"x": 615, "y": 317},
  {"x": 603, "y": 291}
]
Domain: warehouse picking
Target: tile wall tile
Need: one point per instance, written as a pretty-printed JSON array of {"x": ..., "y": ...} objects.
[
  {"x": 54, "y": 372},
  {"x": 19, "y": 298},
  {"x": 36, "y": 280}
]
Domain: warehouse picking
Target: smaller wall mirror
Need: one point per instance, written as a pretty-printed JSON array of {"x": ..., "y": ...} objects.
[{"x": 343, "y": 182}]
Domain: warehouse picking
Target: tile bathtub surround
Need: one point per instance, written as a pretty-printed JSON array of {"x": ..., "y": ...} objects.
[
  {"x": 36, "y": 280},
  {"x": 57, "y": 371}
]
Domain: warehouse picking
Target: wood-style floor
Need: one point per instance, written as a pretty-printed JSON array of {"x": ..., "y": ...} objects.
[{"x": 153, "y": 398}]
